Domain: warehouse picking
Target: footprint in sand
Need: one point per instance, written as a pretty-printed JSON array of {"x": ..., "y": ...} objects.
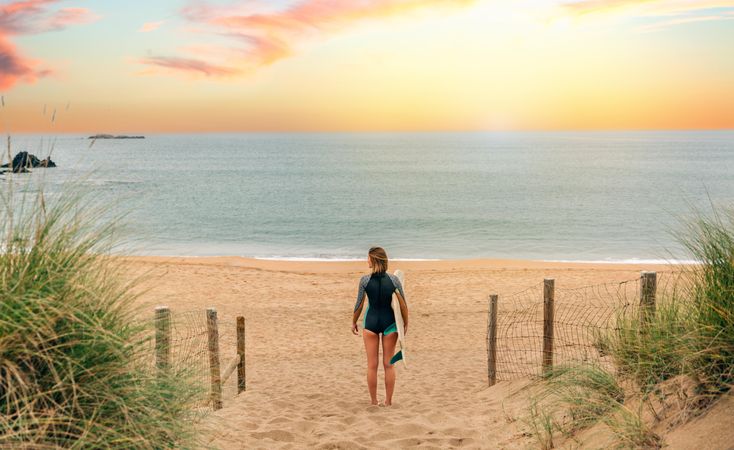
[
  {"x": 248, "y": 426},
  {"x": 349, "y": 420},
  {"x": 435, "y": 417},
  {"x": 458, "y": 442},
  {"x": 276, "y": 435},
  {"x": 411, "y": 429},
  {"x": 279, "y": 420},
  {"x": 304, "y": 426},
  {"x": 341, "y": 445}
]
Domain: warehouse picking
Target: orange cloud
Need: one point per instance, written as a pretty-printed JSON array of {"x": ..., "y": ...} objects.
[
  {"x": 265, "y": 38},
  {"x": 30, "y": 17},
  {"x": 151, "y": 26}
]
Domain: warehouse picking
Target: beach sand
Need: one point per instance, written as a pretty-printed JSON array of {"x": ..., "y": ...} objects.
[{"x": 306, "y": 371}]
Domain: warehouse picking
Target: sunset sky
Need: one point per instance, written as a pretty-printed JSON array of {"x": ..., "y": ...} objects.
[{"x": 322, "y": 65}]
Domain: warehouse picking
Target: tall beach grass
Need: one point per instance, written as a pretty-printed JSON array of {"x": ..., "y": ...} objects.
[
  {"x": 692, "y": 331},
  {"x": 690, "y": 335},
  {"x": 710, "y": 239},
  {"x": 75, "y": 367}
]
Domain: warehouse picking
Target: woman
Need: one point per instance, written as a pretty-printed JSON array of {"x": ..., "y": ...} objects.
[{"x": 379, "y": 319}]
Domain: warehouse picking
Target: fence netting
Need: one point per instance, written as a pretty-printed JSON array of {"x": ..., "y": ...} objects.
[
  {"x": 583, "y": 319},
  {"x": 189, "y": 352}
]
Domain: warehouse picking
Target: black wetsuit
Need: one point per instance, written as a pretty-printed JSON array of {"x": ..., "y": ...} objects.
[{"x": 379, "y": 287}]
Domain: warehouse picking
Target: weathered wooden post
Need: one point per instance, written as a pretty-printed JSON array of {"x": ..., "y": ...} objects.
[
  {"x": 548, "y": 299},
  {"x": 213, "y": 337},
  {"x": 241, "y": 374},
  {"x": 492, "y": 341},
  {"x": 162, "y": 337},
  {"x": 648, "y": 290}
]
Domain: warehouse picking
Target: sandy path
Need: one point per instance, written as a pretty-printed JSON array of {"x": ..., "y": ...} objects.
[{"x": 306, "y": 384}]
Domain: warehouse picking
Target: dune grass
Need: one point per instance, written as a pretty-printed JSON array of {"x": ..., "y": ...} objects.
[
  {"x": 630, "y": 429},
  {"x": 690, "y": 334},
  {"x": 657, "y": 350},
  {"x": 585, "y": 392},
  {"x": 75, "y": 366},
  {"x": 576, "y": 397},
  {"x": 710, "y": 239},
  {"x": 542, "y": 424}
]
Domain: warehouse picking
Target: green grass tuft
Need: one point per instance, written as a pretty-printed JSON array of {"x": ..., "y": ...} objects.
[
  {"x": 577, "y": 397},
  {"x": 710, "y": 239},
  {"x": 74, "y": 363},
  {"x": 586, "y": 392},
  {"x": 656, "y": 350}
]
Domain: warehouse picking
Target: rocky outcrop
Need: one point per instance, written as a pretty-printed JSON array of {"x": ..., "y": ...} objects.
[
  {"x": 24, "y": 161},
  {"x": 110, "y": 136}
]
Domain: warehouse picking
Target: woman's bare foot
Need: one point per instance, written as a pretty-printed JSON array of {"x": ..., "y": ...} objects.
[{"x": 374, "y": 403}]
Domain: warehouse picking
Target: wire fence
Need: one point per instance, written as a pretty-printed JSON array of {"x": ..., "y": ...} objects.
[
  {"x": 581, "y": 320},
  {"x": 180, "y": 341}
]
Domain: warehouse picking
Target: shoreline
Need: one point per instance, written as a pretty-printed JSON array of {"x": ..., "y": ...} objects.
[
  {"x": 630, "y": 261},
  {"x": 348, "y": 266}
]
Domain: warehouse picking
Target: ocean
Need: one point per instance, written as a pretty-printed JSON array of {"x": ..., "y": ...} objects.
[{"x": 566, "y": 196}]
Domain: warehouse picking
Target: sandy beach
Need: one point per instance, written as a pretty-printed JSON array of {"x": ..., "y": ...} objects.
[
  {"x": 586, "y": 145},
  {"x": 305, "y": 370}
]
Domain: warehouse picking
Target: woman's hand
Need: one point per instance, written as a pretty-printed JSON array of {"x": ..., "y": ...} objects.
[{"x": 355, "y": 329}]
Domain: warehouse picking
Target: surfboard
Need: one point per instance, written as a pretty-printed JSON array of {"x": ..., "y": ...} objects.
[{"x": 399, "y": 324}]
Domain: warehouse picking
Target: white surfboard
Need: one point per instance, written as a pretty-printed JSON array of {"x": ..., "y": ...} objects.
[{"x": 399, "y": 324}]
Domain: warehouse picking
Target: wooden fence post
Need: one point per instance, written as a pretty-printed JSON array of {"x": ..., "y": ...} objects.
[
  {"x": 213, "y": 337},
  {"x": 492, "y": 341},
  {"x": 241, "y": 374},
  {"x": 162, "y": 337},
  {"x": 548, "y": 299},
  {"x": 648, "y": 289}
]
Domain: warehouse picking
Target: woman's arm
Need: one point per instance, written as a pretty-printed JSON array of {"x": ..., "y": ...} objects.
[
  {"x": 355, "y": 317},
  {"x": 403, "y": 308},
  {"x": 359, "y": 305}
]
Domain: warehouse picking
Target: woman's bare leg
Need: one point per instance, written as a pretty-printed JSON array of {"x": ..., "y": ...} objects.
[
  {"x": 372, "y": 346},
  {"x": 388, "y": 350}
]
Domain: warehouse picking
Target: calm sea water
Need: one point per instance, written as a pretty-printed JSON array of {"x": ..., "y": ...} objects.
[{"x": 593, "y": 196}]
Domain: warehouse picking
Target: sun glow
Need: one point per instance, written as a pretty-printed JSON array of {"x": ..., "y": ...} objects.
[{"x": 371, "y": 65}]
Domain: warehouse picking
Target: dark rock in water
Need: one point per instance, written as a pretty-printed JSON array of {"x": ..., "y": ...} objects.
[
  {"x": 110, "y": 136},
  {"x": 47, "y": 163},
  {"x": 24, "y": 160}
]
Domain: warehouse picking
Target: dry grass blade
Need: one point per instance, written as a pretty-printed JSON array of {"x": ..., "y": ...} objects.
[{"x": 72, "y": 358}]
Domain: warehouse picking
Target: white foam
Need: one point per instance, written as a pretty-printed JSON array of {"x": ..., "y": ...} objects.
[
  {"x": 628, "y": 261},
  {"x": 335, "y": 259}
]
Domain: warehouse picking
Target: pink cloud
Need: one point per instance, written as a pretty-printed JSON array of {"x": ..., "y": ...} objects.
[
  {"x": 189, "y": 65},
  {"x": 151, "y": 26},
  {"x": 263, "y": 38},
  {"x": 31, "y": 17},
  {"x": 14, "y": 67},
  {"x": 651, "y": 7},
  {"x": 683, "y": 20}
]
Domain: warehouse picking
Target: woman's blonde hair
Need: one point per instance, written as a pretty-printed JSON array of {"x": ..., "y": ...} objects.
[{"x": 378, "y": 256}]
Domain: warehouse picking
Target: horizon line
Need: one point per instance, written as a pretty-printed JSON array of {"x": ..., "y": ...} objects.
[{"x": 404, "y": 131}]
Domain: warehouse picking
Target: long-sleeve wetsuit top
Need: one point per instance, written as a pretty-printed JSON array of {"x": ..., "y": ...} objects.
[{"x": 379, "y": 287}]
